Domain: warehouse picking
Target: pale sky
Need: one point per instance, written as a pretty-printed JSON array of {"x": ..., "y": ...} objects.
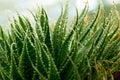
[{"x": 8, "y": 8}]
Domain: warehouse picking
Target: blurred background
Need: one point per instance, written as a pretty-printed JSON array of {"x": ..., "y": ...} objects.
[{"x": 9, "y": 8}]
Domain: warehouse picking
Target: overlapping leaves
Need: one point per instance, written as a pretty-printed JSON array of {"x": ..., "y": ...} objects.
[{"x": 33, "y": 52}]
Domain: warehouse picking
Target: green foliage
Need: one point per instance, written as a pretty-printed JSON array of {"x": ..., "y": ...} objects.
[{"x": 85, "y": 52}]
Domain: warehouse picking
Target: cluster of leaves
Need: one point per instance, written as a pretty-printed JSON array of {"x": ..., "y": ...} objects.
[{"x": 85, "y": 52}]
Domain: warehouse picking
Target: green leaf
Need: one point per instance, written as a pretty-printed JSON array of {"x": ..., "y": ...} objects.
[
  {"x": 25, "y": 67},
  {"x": 59, "y": 34},
  {"x": 14, "y": 73}
]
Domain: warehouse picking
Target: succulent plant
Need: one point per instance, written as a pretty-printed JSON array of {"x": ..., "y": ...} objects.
[{"x": 77, "y": 50}]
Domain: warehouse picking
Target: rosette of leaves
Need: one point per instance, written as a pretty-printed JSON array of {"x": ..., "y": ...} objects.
[{"x": 71, "y": 51}]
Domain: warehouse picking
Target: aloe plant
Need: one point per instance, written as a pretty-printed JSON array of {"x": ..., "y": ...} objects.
[{"x": 85, "y": 52}]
